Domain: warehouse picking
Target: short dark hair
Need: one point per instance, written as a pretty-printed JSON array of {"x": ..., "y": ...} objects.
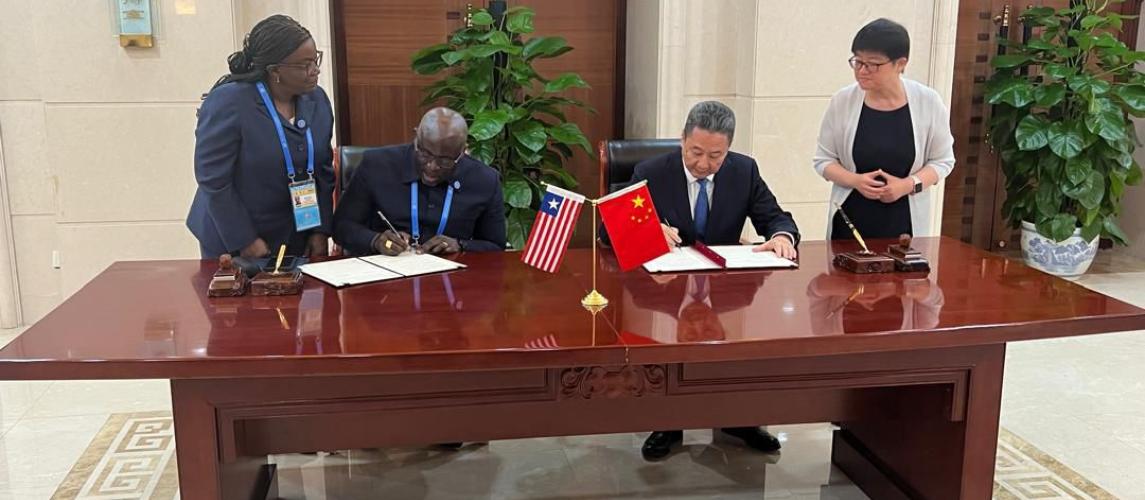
[
  {"x": 713, "y": 116},
  {"x": 883, "y": 36}
]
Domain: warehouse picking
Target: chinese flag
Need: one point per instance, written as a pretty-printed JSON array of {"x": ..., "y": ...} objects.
[{"x": 633, "y": 226}]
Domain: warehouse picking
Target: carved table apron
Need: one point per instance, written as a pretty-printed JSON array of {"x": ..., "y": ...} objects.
[{"x": 900, "y": 405}]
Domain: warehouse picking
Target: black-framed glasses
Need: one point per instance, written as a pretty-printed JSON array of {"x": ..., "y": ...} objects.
[
  {"x": 308, "y": 66},
  {"x": 872, "y": 67},
  {"x": 430, "y": 158}
]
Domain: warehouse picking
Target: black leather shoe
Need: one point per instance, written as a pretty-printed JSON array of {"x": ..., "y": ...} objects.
[
  {"x": 754, "y": 438},
  {"x": 450, "y": 446},
  {"x": 659, "y": 444}
]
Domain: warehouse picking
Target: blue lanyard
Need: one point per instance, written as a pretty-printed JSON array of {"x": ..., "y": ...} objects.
[
  {"x": 273, "y": 112},
  {"x": 415, "y": 223}
]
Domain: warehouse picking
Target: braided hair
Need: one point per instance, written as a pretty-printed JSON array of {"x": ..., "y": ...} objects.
[{"x": 270, "y": 42}]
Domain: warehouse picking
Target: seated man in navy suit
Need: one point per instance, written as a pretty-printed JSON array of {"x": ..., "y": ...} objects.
[
  {"x": 439, "y": 199},
  {"x": 704, "y": 192}
]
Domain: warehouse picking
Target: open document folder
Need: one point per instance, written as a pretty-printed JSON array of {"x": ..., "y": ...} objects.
[
  {"x": 356, "y": 271},
  {"x": 683, "y": 259}
]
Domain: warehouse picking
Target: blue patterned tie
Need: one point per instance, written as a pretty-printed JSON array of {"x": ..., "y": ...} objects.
[{"x": 701, "y": 210}]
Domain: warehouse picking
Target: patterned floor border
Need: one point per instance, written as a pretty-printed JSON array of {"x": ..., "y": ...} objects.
[{"x": 133, "y": 457}]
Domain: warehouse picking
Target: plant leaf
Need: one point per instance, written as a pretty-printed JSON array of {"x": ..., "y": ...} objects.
[
  {"x": 518, "y": 194},
  {"x": 451, "y": 58},
  {"x": 1092, "y": 230},
  {"x": 530, "y": 134},
  {"x": 1078, "y": 168},
  {"x": 1048, "y": 199},
  {"x": 520, "y": 22},
  {"x": 1009, "y": 60},
  {"x": 545, "y": 46},
  {"x": 1133, "y": 178},
  {"x": 1133, "y": 95},
  {"x": 1114, "y": 232},
  {"x": 1110, "y": 125},
  {"x": 481, "y": 18},
  {"x": 518, "y": 221},
  {"x": 1014, "y": 91},
  {"x": 1064, "y": 142},
  {"x": 498, "y": 38},
  {"x": 1088, "y": 22},
  {"x": 1032, "y": 133},
  {"x": 1049, "y": 95},
  {"x": 488, "y": 124},
  {"x": 1058, "y": 228},
  {"x": 565, "y": 81},
  {"x": 569, "y": 133},
  {"x": 1085, "y": 83},
  {"x": 1090, "y": 192},
  {"x": 1059, "y": 71}
]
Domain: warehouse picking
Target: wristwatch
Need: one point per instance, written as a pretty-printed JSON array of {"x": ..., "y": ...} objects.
[{"x": 917, "y": 184}]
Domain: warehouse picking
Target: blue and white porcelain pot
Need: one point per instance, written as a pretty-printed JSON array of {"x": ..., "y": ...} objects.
[{"x": 1068, "y": 258}]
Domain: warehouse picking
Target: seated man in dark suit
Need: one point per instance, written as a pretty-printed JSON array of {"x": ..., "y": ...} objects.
[
  {"x": 438, "y": 199},
  {"x": 704, "y": 192}
]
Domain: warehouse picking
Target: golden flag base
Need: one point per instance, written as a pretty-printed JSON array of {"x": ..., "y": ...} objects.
[{"x": 594, "y": 301}]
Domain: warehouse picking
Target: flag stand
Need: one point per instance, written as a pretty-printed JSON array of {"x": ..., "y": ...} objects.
[{"x": 594, "y": 301}]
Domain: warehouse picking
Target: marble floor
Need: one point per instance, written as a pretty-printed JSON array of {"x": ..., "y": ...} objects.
[{"x": 1080, "y": 401}]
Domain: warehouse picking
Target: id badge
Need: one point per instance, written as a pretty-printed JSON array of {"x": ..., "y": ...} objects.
[{"x": 304, "y": 196}]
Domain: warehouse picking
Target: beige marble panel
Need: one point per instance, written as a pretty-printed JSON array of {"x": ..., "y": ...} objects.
[
  {"x": 35, "y": 239},
  {"x": 642, "y": 69},
  {"x": 784, "y": 137},
  {"x": 122, "y": 163},
  {"x": 87, "y": 64},
  {"x": 18, "y": 51},
  {"x": 709, "y": 66},
  {"x": 804, "y": 50},
  {"x": 31, "y": 179},
  {"x": 87, "y": 249}
]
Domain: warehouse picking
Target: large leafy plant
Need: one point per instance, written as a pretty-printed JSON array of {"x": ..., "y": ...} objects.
[
  {"x": 517, "y": 121},
  {"x": 1061, "y": 122}
]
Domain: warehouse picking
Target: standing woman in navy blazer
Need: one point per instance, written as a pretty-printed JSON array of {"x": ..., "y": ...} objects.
[{"x": 262, "y": 150}]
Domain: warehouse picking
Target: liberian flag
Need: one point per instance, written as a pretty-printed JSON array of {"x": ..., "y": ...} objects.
[{"x": 552, "y": 229}]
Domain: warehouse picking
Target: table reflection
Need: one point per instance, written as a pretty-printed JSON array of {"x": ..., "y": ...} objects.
[{"x": 675, "y": 308}]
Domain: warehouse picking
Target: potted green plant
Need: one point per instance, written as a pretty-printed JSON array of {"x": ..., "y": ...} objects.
[
  {"x": 517, "y": 121},
  {"x": 1061, "y": 125}
]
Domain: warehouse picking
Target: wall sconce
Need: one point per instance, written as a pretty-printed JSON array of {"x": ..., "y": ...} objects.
[{"x": 134, "y": 21}]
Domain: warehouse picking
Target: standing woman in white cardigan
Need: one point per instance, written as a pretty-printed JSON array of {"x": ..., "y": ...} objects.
[{"x": 884, "y": 142}]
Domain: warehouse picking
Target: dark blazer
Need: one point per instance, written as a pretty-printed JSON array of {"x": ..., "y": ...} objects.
[
  {"x": 243, "y": 190},
  {"x": 383, "y": 181},
  {"x": 739, "y": 193}
]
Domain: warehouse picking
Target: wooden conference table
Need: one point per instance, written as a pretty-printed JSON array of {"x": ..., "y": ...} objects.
[{"x": 909, "y": 366}]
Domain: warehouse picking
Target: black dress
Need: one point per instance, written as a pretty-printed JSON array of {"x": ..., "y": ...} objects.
[{"x": 884, "y": 140}]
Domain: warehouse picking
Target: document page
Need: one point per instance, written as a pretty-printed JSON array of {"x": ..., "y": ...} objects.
[
  {"x": 413, "y": 264},
  {"x": 347, "y": 272},
  {"x": 741, "y": 257},
  {"x": 680, "y": 259}
]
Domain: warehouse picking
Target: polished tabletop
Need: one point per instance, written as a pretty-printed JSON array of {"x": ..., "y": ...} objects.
[{"x": 153, "y": 319}]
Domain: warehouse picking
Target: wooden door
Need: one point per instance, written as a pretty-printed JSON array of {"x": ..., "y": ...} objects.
[
  {"x": 975, "y": 190},
  {"x": 379, "y": 93}
]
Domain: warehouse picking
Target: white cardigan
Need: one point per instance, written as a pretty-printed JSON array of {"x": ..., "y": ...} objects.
[{"x": 933, "y": 144}]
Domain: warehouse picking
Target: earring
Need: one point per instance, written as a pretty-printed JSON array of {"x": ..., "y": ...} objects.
[{"x": 277, "y": 79}]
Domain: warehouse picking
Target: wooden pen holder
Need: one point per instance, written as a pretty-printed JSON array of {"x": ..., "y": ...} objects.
[
  {"x": 280, "y": 283},
  {"x": 865, "y": 262}
]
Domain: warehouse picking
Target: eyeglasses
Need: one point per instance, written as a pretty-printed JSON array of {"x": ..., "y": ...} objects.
[
  {"x": 855, "y": 63},
  {"x": 430, "y": 158},
  {"x": 308, "y": 66}
]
